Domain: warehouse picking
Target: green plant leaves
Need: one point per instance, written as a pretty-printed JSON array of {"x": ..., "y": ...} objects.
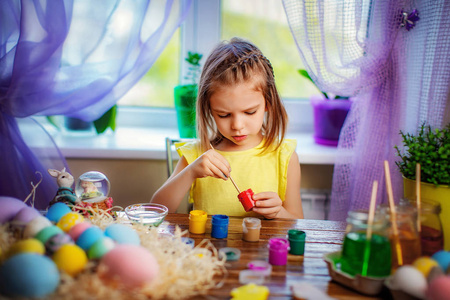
[
  {"x": 431, "y": 149},
  {"x": 306, "y": 75},
  {"x": 108, "y": 120}
]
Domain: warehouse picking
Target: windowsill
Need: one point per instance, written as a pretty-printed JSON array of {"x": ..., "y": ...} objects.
[{"x": 147, "y": 141}]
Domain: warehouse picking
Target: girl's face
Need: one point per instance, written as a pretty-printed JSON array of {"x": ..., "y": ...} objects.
[{"x": 238, "y": 111}]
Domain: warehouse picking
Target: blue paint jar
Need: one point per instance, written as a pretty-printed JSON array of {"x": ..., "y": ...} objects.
[{"x": 219, "y": 226}]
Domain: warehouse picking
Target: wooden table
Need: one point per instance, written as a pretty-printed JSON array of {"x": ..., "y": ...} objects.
[{"x": 321, "y": 237}]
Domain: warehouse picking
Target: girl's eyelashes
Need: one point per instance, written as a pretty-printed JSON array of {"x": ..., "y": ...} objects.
[{"x": 227, "y": 115}]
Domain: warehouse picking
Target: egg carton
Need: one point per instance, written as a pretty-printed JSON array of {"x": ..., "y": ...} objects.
[{"x": 370, "y": 286}]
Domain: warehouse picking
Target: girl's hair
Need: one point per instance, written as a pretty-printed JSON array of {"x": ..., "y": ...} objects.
[{"x": 232, "y": 63}]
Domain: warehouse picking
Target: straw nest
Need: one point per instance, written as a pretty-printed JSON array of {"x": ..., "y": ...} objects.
[{"x": 184, "y": 272}]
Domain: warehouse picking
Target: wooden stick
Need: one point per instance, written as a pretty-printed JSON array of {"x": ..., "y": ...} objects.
[
  {"x": 232, "y": 181},
  {"x": 370, "y": 218},
  {"x": 419, "y": 206},
  {"x": 393, "y": 215}
]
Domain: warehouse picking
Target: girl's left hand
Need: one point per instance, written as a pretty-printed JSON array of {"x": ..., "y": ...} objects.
[{"x": 267, "y": 204}]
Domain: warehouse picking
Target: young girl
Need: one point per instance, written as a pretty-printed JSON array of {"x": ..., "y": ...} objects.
[{"x": 241, "y": 124}]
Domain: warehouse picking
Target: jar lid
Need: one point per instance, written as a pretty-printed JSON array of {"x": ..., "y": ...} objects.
[
  {"x": 260, "y": 266},
  {"x": 230, "y": 253},
  {"x": 250, "y": 222},
  {"x": 296, "y": 235},
  {"x": 220, "y": 219},
  {"x": 278, "y": 244},
  {"x": 198, "y": 215},
  {"x": 250, "y": 276}
]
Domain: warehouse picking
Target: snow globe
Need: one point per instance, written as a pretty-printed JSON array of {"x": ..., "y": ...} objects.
[{"x": 92, "y": 189}]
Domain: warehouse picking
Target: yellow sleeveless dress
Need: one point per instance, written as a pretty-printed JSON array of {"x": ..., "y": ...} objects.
[{"x": 249, "y": 169}]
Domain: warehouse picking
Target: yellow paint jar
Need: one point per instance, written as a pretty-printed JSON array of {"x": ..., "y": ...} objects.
[{"x": 197, "y": 221}]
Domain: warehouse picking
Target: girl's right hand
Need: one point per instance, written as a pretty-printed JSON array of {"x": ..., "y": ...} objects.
[{"x": 210, "y": 163}]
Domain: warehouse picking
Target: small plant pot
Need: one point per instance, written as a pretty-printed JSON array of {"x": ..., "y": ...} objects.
[
  {"x": 185, "y": 106},
  {"x": 75, "y": 126},
  {"x": 329, "y": 117}
]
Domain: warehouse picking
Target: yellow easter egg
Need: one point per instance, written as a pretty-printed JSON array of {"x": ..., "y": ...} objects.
[
  {"x": 424, "y": 264},
  {"x": 70, "y": 258},
  {"x": 69, "y": 220},
  {"x": 28, "y": 245}
]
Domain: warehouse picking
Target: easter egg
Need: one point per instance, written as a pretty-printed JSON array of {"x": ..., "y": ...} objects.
[
  {"x": 36, "y": 225},
  {"x": 443, "y": 259},
  {"x": 70, "y": 258},
  {"x": 28, "y": 275},
  {"x": 10, "y": 207},
  {"x": 100, "y": 248},
  {"x": 439, "y": 289},
  {"x": 130, "y": 265},
  {"x": 122, "y": 234},
  {"x": 78, "y": 229},
  {"x": 89, "y": 237},
  {"x": 424, "y": 264},
  {"x": 28, "y": 245},
  {"x": 69, "y": 220},
  {"x": 25, "y": 215},
  {"x": 55, "y": 242},
  {"x": 57, "y": 211},
  {"x": 410, "y": 280},
  {"x": 45, "y": 234}
]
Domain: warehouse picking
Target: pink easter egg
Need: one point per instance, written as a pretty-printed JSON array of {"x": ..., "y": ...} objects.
[
  {"x": 9, "y": 207},
  {"x": 78, "y": 229},
  {"x": 439, "y": 288},
  {"x": 130, "y": 265}
]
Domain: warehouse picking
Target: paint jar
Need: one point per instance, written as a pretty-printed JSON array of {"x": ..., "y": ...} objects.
[
  {"x": 246, "y": 199},
  {"x": 357, "y": 251},
  {"x": 219, "y": 226},
  {"x": 251, "y": 228},
  {"x": 296, "y": 241},
  {"x": 278, "y": 251},
  {"x": 197, "y": 221}
]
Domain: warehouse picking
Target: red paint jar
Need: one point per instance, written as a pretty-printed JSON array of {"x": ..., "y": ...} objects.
[{"x": 246, "y": 199}]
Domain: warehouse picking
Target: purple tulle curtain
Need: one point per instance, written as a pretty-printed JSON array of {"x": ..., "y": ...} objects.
[
  {"x": 75, "y": 58},
  {"x": 393, "y": 58}
]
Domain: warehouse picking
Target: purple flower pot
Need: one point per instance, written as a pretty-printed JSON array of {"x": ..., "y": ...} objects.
[{"x": 329, "y": 116}]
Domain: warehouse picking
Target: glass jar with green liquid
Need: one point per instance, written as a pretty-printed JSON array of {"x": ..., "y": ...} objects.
[{"x": 358, "y": 252}]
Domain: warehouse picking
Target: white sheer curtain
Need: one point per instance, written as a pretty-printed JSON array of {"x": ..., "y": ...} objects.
[{"x": 399, "y": 77}]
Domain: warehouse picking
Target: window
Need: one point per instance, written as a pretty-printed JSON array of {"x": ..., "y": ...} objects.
[{"x": 210, "y": 21}]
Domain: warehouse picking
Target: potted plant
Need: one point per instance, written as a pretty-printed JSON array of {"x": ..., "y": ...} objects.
[
  {"x": 431, "y": 149},
  {"x": 107, "y": 120},
  {"x": 329, "y": 115},
  {"x": 185, "y": 97}
]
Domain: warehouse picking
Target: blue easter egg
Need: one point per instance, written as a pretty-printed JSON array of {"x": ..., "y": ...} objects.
[
  {"x": 57, "y": 211},
  {"x": 28, "y": 275},
  {"x": 123, "y": 234},
  {"x": 443, "y": 259},
  {"x": 89, "y": 237}
]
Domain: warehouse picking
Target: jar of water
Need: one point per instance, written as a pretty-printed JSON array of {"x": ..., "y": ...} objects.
[{"x": 358, "y": 252}]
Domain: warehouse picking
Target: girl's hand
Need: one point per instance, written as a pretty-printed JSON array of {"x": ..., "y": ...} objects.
[
  {"x": 267, "y": 204},
  {"x": 210, "y": 163}
]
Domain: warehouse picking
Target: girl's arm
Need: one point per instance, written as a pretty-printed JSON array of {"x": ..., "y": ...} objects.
[
  {"x": 270, "y": 205},
  {"x": 172, "y": 192},
  {"x": 293, "y": 203}
]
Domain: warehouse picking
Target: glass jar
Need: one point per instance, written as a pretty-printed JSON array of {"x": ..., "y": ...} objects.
[
  {"x": 406, "y": 245},
  {"x": 431, "y": 234},
  {"x": 358, "y": 251}
]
